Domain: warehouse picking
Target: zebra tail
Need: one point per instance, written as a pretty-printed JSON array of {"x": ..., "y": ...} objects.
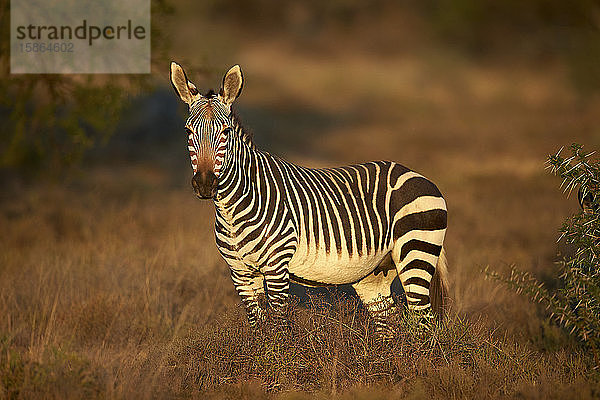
[{"x": 438, "y": 292}]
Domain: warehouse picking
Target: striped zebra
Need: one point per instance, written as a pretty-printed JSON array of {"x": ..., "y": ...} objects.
[{"x": 276, "y": 221}]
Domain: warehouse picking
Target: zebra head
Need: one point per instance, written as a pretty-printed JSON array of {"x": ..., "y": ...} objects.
[{"x": 208, "y": 125}]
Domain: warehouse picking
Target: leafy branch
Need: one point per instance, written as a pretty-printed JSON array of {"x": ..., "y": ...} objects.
[{"x": 575, "y": 305}]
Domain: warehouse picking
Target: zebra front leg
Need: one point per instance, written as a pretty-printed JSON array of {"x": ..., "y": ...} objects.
[
  {"x": 250, "y": 287},
  {"x": 277, "y": 280}
]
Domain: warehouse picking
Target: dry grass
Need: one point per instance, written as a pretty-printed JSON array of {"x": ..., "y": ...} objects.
[
  {"x": 112, "y": 286},
  {"x": 332, "y": 348}
]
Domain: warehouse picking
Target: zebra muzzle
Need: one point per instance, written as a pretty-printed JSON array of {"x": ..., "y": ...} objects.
[{"x": 205, "y": 184}]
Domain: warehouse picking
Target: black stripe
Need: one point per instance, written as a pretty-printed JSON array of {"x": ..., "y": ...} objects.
[
  {"x": 419, "y": 264},
  {"x": 427, "y": 221},
  {"x": 420, "y": 245},
  {"x": 325, "y": 207},
  {"x": 294, "y": 182},
  {"x": 371, "y": 193},
  {"x": 363, "y": 208},
  {"x": 350, "y": 196},
  {"x": 338, "y": 188},
  {"x": 330, "y": 198},
  {"x": 422, "y": 299},
  {"x": 308, "y": 282},
  {"x": 417, "y": 281},
  {"x": 380, "y": 203}
]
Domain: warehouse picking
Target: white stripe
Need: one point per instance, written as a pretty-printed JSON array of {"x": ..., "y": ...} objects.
[
  {"x": 416, "y": 273},
  {"x": 417, "y": 289}
]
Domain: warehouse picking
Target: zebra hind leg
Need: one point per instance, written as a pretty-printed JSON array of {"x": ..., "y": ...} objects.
[
  {"x": 416, "y": 257},
  {"x": 375, "y": 291}
]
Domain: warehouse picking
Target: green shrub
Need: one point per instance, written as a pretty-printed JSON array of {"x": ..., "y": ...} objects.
[
  {"x": 576, "y": 303},
  {"x": 48, "y": 121}
]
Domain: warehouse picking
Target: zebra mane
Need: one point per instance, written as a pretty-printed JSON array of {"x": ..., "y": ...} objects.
[
  {"x": 210, "y": 93},
  {"x": 242, "y": 132}
]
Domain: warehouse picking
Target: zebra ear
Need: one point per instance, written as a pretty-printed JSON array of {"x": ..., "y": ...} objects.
[
  {"x": 184, "y": 88},
  {"x": 232, "y": 84}
]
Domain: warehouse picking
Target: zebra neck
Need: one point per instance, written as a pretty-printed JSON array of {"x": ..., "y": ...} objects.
[{"x": 235, "y": 182}]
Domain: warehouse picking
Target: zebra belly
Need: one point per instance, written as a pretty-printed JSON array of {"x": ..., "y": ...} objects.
[{"x": 333, "y": 268}]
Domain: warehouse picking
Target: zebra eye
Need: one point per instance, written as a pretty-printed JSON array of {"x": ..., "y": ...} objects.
[{"x": 188, "y": 131}]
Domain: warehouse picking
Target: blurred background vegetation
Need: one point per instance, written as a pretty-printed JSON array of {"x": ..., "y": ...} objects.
[{"x": 48, "y": 122}]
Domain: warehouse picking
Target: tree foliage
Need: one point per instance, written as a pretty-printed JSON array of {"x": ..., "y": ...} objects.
[{"x": 48, "y": 121}]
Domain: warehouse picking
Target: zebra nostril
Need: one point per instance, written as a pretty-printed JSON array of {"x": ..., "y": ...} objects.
[
  {"x": 195, "y": 185},
  {"x": 205, "y": 184},
  {"x": 211, "y": 183},
  {"x": 212, "y": 179}
]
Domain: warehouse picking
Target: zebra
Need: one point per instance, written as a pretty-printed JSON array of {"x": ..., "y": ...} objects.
[{"x": 278, "y": 222}]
